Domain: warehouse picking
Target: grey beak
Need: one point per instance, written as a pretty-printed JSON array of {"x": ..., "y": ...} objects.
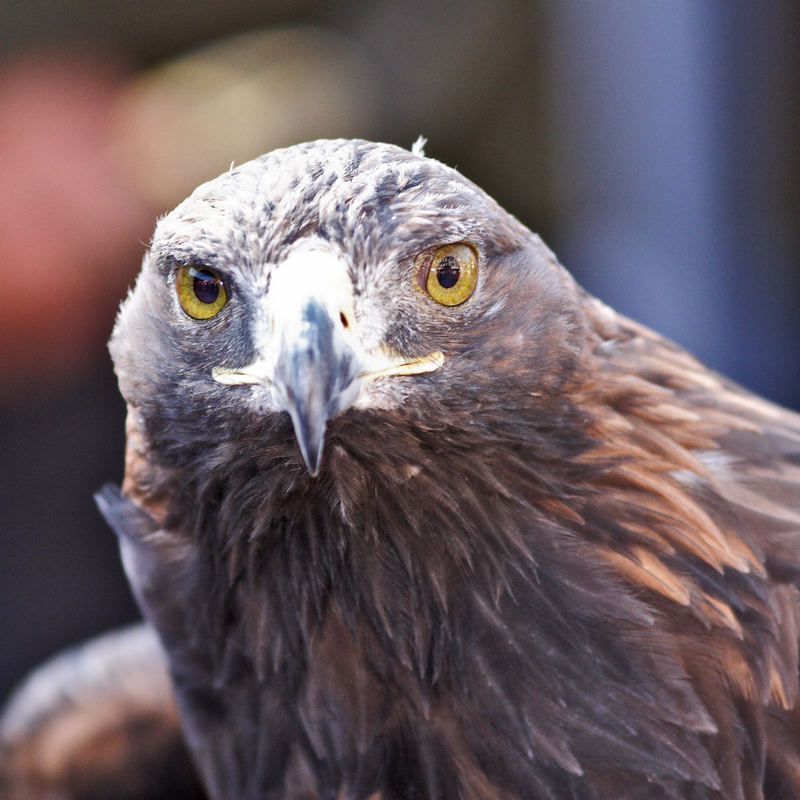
[{"x": 315, "y": 377}]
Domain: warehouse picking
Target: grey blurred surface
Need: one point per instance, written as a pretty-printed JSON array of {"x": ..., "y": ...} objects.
[{"x": 653, "y": 145}]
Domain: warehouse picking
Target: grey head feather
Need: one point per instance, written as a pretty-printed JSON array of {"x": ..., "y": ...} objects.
[{"x": 374, "y": 207}]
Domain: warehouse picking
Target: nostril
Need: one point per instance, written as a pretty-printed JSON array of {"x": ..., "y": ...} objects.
[{"x": 343, "y": 319}]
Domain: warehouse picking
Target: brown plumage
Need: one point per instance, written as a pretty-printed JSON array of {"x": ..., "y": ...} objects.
[
  {"x": 516, "y": 546},
  {"x": 95, "y": 723}
]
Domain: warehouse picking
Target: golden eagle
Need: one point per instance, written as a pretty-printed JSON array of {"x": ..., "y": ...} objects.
[{"x": 414, "y": 516}]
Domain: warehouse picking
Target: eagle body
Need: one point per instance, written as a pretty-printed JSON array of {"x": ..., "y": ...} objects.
[{"x": 394, "y": 546}]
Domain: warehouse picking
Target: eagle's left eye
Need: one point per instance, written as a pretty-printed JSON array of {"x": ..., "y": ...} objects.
[
  {"x": 201, "y": 292},
  {"x": 450, "y": 275}
]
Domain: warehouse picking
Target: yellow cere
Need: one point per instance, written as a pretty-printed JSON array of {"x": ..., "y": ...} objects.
[
  {"x": 201, "y": 292},
  {"x": 452, "y": 274}
]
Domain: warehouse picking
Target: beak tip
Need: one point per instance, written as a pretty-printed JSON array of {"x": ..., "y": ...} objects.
[
  {"x": 311, "y": 440},
  {"x": 313, "y": 463}
]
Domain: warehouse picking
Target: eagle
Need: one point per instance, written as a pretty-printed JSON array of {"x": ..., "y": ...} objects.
[{"x": 409, "y": 514}]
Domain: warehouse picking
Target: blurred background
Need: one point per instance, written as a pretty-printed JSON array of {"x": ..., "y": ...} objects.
[{"x": 653, "y": 145}]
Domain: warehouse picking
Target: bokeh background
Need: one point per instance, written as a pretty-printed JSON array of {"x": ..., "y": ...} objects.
[{"x": 654, "y": 145}]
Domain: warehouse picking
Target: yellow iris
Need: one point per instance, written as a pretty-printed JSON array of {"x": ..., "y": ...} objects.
[
  {"x": 201, "y": 292},
  {"x": 452, "y": 274}
]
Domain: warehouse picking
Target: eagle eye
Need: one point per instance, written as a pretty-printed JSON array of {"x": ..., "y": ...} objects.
[
  {"x": 450, "y": 275},
  {"x": 201, "y": 292}
]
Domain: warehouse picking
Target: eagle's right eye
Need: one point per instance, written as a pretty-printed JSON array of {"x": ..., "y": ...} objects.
[{"x": 201, "y": 292}]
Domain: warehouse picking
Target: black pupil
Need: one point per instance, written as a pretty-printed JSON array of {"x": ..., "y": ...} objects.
[
  {"x": 447, "y": 272},
  {"x": 206, "y": 287}
]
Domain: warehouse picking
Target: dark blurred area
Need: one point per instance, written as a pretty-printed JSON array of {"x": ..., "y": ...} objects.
[{"x": 653, "y": 146}]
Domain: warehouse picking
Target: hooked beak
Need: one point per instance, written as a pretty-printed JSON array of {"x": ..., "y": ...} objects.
[
  {"x": 314, "y": 378},
  {"x": 315, "y": 363}
]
